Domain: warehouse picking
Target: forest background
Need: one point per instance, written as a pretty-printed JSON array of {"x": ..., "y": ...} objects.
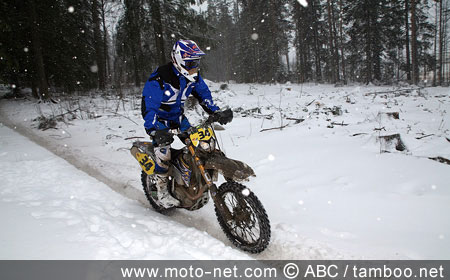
[{"x": 69, "y": 46}]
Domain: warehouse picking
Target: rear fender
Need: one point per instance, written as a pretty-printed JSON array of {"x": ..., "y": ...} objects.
[
  {"x": 229, "y": 168},
  {"x": 143, "y": 153}
]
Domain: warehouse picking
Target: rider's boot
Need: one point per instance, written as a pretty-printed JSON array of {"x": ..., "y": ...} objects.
[{"x": 164, "y": 197}]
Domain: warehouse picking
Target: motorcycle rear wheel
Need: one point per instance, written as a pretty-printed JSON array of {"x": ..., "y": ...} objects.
[
  {"x": 150, "y": 190},
  {"x": 249, "y": 228}
]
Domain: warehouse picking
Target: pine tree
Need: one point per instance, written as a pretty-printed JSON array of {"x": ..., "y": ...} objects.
[
  {"x": 263, "y": 30},
  {"x": 415, "y": 65},
  {"x": 57, "y": 37},
  {"x": 220, "y": 61},
  {"x": 69, "y": 44},
  {"x": 333, "y": 44},
  {"x": 37, "y": 50},
  {"x": 16, "y": 59},
  {"x": 424, "y": 32},
  {"x": 247, "y": 48},
  {"x": 407, "y": 41},
  {"x": 157, "y": 23},
  {"x": 373, "y": 28},
  {"x": 302, "y": 42}
]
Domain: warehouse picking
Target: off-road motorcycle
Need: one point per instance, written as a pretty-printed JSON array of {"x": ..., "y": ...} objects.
[{"x": 192, "y": 173}]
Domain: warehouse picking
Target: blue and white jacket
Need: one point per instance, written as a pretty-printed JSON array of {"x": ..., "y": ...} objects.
[{"x": 164, "y": 95}]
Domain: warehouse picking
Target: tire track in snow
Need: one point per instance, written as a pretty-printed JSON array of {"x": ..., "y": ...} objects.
[
  {"x": 285, "y": 242},
  {"x": 70, "y": 156}
]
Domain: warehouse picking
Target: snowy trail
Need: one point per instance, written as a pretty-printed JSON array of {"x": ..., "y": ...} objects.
[
  {"x": 72, "y": 158},
  {"x": 73, "y": 216},
  {"x": 285, "y": 242}
]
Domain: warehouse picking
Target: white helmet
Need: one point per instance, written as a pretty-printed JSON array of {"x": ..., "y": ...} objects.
[{"x": 186, "y": 58}]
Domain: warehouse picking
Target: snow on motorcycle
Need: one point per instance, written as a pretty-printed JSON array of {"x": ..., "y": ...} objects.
[{"x": 193, "y": 171}]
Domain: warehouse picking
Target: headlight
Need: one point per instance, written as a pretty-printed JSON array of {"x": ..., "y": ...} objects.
[
  {"x": 208, "y": 147},
  {"x": 204, "y": 145}
]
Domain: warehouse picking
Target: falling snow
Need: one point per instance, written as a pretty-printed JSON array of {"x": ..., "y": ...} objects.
[
  {"x": 304, "y": 3},
  {"x": 245, "y": 192}
]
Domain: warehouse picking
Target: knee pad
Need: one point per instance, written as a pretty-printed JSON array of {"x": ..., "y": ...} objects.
[{"x": 162, "y": 158}]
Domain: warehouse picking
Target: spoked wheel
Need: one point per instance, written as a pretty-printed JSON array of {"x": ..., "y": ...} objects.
[
  {"x": 151, "y": 192},
  {"x": 249, "y": 226}
]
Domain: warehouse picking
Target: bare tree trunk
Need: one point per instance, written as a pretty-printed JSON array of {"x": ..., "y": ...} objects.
[
  {"x": 137, "y": 72},
  {"x": 435, "y": 46},
  {"x": 445, "y": 40},
  {"x": 317, "y": 48},
  {"x": 275, "y": 74},
  {"x": 34, "y": 91},
  {"x": 408, "y": 56},
  {"x": 132, "y": 16},
  {"x": 98, "y": 45},
  {"x": 399, "y": 55},
  {"x": 425, "y": 69},
  {"x": 440, "y": 64},
  {"x": 335, "y": 40},
  {"x": 105, "y": 42},
  {"x": 331, "y": 43},
  {"x": 415, "y": 64},
  {"x": 368, "y": 50},
  {"x": 158, "y": 30},
  {"x": 287, "y": 62},
  {"x": 299, "y": 54},
  {"x": 37, "y": 51},
  {"x": 341, "y": 39}
]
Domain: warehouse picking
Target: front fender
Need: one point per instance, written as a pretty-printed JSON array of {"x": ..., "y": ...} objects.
[{"x": 229, "y": 168}]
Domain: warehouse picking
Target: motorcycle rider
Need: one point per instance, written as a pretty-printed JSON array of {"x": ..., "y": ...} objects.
[{"x": 162, "y": 108}]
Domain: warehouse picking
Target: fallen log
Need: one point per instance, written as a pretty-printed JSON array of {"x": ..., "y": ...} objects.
[
  {"x": 280, "y": 128},
  {"x": 441, "y": 160}
]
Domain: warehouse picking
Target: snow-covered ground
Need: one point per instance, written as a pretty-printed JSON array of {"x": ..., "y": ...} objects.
[
  {"x": 52, "y": 210},
  {"x": 328, "y": 189}
]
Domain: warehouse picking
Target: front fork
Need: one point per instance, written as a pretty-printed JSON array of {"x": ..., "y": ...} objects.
[{"x": 218, "y": 201}]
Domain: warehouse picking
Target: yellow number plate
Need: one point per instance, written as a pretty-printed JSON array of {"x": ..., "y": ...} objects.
[
  {"x": 147, "y": 164},
  {"x": 201, "y": 135}
]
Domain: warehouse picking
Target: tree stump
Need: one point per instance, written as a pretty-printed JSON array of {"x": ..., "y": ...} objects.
[
  {"x": 390, "y": 142},
  {"x": 394, "y": 115},
  {"x": 391, "y": 115}
]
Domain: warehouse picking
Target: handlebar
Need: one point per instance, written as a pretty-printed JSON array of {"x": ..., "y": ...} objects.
[
  {"x": 215, "y": 117},
  {"x": 208, "y": 121}
]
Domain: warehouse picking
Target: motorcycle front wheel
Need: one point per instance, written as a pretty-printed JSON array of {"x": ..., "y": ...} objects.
[{"x": 249, "y": 226}]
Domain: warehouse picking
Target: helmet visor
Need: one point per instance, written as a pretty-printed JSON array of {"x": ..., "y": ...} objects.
[{"x": 191, "y": 64}]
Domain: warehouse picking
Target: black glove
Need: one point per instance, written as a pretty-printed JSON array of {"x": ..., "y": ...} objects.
[
  {"x": 223, "y": 117},
  {"x": 162, "y": 137}
]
